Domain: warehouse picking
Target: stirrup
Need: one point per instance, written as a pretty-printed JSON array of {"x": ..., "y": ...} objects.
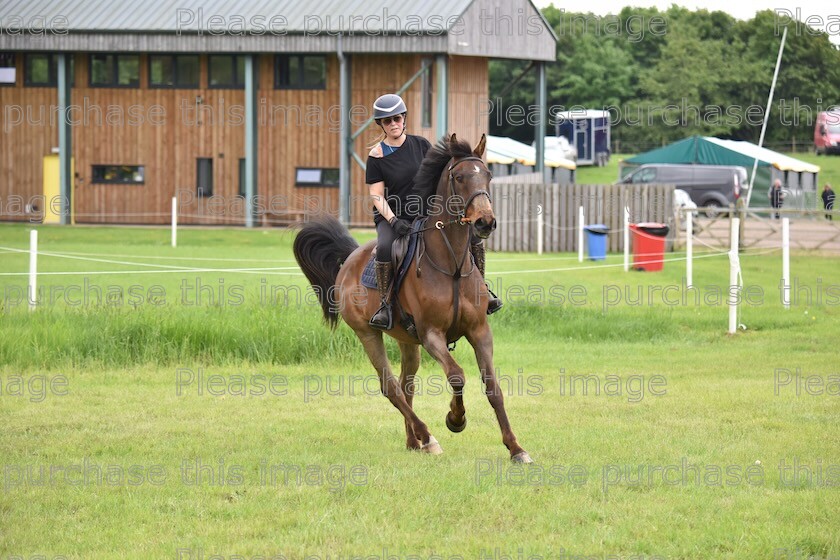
[
  {"x": 493, "y": 303},
  {"x": 376, "y": 321}
]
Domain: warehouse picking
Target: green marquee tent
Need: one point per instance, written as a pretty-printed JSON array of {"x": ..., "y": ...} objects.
[{"x": 798, "y": 177}]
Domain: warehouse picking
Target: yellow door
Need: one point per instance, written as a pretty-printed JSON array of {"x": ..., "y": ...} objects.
[{"x": 52, "y": 190}]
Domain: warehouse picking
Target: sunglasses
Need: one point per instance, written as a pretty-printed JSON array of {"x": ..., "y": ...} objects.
[{"x": 388, "y": 120}]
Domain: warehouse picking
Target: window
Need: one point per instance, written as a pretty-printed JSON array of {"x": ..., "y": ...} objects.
[
  {"x": 119, "y": 174},
  {"x": 242, "y": 177},
  {"x": 8, "y": 70},
  {"x": 115, "y": 70},
  {"x": 645, "y": 176},
  {"x": 226, "y": 71},
  {"x": 204, "y": 177},
  {"x": 426, "y": 97},
  {"x": 299, "y": 71},
  {"x": 316, "y": 177},
  {"x": 173, "y": 71},
  {"x": 41, "y": 70}
]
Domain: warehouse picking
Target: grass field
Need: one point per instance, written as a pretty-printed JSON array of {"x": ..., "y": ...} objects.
[{"x": 202, "y": 412}]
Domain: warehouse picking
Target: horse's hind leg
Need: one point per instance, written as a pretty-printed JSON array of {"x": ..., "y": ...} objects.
[
  {"x": 390, "y": 387},
  {"x": 435, "y": 344},
  {"x": 409, "y": 364},
  {"x": 482, "y": 343}
]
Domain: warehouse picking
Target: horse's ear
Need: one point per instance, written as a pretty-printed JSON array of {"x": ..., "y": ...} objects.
[
  {"x": 452, "y": 139},
  {"x": 479, "y": 150}
]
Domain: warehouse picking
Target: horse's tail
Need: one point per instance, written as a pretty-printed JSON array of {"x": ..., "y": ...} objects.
[{"x": 321, "y": 248}]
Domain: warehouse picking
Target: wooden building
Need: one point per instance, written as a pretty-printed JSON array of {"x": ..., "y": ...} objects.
[{"x": 249, "y": 112}]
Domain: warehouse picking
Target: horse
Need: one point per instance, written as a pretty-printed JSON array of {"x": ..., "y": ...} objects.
[{"x": 447, "y": 299}]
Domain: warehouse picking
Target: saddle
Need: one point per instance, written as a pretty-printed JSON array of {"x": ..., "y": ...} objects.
[{"x": 402, "y": 253}]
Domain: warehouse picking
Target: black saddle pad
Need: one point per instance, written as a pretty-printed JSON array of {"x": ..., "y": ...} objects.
[{"x": 369, "y": 274}]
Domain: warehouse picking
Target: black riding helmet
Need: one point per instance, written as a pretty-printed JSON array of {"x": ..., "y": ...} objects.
[{"x": 388, "y": 105}]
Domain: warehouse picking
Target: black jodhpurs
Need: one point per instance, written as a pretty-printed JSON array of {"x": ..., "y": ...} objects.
[{"x": 385, "y": 237}]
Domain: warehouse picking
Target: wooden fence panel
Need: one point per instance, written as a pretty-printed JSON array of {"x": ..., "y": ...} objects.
[{"x": 516, "y": 205}]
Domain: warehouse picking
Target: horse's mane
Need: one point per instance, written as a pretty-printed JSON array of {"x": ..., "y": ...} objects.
[{"x": 427, "y": 177}]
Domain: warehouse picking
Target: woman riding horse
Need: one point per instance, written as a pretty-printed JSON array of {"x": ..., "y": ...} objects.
[
  {"x": 391, "y": 166},
  {"x": 443, "y": 295}
]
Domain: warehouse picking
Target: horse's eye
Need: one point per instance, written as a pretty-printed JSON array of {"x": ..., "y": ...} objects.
[{"x": 459, "y": 178}]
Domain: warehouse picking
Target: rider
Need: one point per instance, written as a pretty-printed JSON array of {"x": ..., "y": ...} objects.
[{"x": 391, "y": 167}]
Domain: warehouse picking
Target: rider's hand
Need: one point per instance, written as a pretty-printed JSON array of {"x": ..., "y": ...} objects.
[{"x": 401, "y": 227}]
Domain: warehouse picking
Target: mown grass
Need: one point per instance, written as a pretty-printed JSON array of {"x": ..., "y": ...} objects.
[{"x": 125, "y": 407}]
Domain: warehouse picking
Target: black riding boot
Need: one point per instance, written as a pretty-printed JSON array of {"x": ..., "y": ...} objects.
[
  {"x": 478, "y": 254},
  {"x": 382, "y": 319}
]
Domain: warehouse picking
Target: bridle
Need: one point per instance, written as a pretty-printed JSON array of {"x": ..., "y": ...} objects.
[
  {"x": 461, "y": 220},
  {"x": 462, "y": 214}
]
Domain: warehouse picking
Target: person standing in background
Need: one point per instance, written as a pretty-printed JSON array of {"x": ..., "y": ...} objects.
[{"x": 828, "y": 200}]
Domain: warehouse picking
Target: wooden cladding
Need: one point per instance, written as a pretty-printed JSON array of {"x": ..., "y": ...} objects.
[{"x": 167, "y": 129}]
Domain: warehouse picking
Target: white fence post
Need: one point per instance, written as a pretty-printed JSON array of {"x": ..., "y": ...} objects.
[
  {"x": 33, "y": 269},
  {"x": 540, "y": 227},
  {"x": 580, "y": 234},
  {"x": 626, "y": 238},
  {"x": 174, "y": 221},
  {"x": 786, "y": 262},
  {"x": 734, "y": 268},
  {"x": 689, "y": 248}
]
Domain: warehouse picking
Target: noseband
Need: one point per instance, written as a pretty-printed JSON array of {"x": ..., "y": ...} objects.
[{"x": 462, "y": 218}]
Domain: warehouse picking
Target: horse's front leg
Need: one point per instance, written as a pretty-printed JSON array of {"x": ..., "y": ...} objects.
[
  {"x": 482, "y": 342},
  {"x": 390, "y": 387},
  {"x": 409, "y": 364},
  {"x": 435, "y": 343}
]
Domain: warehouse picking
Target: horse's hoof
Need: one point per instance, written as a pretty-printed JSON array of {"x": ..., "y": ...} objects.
[
  {"x": 433, "y": 447},
  {"x": 453, "y": 427},
  {"x": 522, "y": 457}
]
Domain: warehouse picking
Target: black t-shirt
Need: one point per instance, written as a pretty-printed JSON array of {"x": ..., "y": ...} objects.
[{"x": 397, "y": 171}]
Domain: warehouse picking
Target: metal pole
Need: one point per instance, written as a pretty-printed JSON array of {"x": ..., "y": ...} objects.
[
  {"x": 65, "y": 139},
  {"x": 442, "y": 63},
  {"x": 539, "y": 129},
  {"x": 344, "y": 142},
  {"x": 767, "y": 113},
  {"x": 251, "y": 137}
]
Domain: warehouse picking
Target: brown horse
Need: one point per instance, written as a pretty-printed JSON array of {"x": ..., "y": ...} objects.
[{"x": 444, "y": 292}]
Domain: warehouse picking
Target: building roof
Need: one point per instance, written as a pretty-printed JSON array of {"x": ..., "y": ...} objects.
[
  {"x": 244, "y": 15},
  {"x": 515, "y": 29},
  {"x": 507, "y": 150},
  {"x": 578, "y": 114}
]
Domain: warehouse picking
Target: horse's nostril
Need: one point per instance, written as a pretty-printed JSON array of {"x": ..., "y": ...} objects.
[{"x": 493, "y": 224}]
